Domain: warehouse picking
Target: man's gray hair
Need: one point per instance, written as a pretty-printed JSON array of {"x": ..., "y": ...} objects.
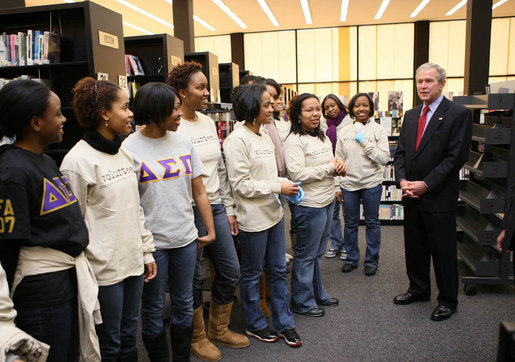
[{"x": 429, "y": 65}]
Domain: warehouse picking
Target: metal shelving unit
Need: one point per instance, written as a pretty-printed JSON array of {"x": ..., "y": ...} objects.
[{"x": 490, "y": 162}]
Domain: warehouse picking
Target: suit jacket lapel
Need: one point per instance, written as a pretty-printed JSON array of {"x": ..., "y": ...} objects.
[{"x": 436, "y": 120}]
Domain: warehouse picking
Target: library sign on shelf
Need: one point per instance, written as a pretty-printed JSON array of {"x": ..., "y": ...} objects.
[{"x": 108, "y": 40}]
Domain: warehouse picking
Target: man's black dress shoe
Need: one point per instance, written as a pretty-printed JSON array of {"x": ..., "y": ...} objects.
[
  {"x": 313, "y": 312},
  {"x": 408, "y": 298},
  {"x": 442, "y": 313},
  {"x": 329, "y": 303}
]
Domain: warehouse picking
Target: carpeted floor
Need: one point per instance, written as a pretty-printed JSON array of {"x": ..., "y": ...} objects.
[{"x": 367, "y": 326}]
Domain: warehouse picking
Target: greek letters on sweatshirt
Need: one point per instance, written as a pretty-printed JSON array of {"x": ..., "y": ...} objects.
[{"x": 164, "y": 168}]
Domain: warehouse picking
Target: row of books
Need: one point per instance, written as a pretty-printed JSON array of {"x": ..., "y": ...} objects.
[
  {"x": 391, "y": 193},
  {"x": 389, "y": 173},
  {"x": 31, "y": 48},
  {"x": 387, "y": 212},
  {"x": 4, "y": 81}
]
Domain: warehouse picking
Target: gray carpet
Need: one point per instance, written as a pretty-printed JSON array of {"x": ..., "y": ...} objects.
[{"x": 367, "y": 326}]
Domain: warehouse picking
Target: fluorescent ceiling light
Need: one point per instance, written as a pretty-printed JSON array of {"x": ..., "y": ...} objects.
[
  {"x": 343, "y": 13},
  {"x": 268, "y": 12},
  {"x": 305, "y": 10},
  {"x": 146, "y": 13},
  {"x": 232, "y": 15},
  {"x": 456, "y": 8},
  {"x": 382, "y": 9},
  {"x": 169, "y": 2},
  {"x": 419, "y": 8},
  {"x": 69, "y": 1},
  {"x": 202, "y": 22},
  {"x": 137, "y": 28},
  {"x": 499, "y": 3}
]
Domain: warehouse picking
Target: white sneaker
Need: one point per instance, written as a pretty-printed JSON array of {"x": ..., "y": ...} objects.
[
  {"x": 288, "y": 257},
  {"x": 331, "y": 253},
  {"x": 343, "y": 254}
]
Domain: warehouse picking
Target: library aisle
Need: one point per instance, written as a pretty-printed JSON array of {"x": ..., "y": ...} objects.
[{"x": 367, "y": 326}]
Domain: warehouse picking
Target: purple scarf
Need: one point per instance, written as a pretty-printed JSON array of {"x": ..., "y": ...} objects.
[{"x": 332, "y": 123}]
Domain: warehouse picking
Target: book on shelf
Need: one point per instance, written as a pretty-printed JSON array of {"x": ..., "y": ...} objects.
[
  {"x": 12, "y": 50},
  {"x": 34, "y": 47},
  {"x": 135, "y": 65},
  {"x": 386, "y": 122},
  {"x": 127, "y": 65},
  {"x": 51, "y": 48},
  {"x": 387, "y": 212}
]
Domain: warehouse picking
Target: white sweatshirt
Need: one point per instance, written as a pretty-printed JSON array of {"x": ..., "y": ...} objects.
[
  {"x": 250, "y": 162},
  {"x": 364, "y": 161},
  {"x": 204, "y": 138},
  {"x": 107, "y": 190},
  {"x": 308, "y": 160}
]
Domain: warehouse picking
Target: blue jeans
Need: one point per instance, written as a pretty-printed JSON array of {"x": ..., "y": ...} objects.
[
  {"x": 351, "y": 200},
  {"x": 335, "y": 234},
  {"x": 175, "y": 266},
  {"x": 56, "y": 325},
  {"x": 119, "y": 305},
  {"x": 223, "y": 256},
  {"x": 313, "y": 225},
  {"x": 257, "y": 250}
]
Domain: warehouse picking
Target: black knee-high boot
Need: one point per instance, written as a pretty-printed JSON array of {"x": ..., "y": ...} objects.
[
  {"x": 157, "y": 347},
  {"x": 180, "y": 336}
]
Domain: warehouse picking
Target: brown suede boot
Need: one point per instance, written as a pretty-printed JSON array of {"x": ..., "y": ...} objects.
[
  {"x": 218, "y": 331},
  {"x": 262, "y": 296},
  {"x": 200, "y": 345}
]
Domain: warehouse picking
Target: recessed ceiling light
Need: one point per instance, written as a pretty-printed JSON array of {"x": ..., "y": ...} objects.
[
  {"x": 382, "y": 9},
  {"x": 146, "y": 13},
  {"x": 137, "y": 28},
  {"x": 419, "y": 8},
  {"x": 343, "y": 12},
  {"x": 305, "y": 10},
  {"x": 499, "y": 3},
  {"x": 268, "y": 12},
  {"x": 202, "y": 22},
  {"x": 456, "y": 8},
  {"x": 229, "y": 12}
]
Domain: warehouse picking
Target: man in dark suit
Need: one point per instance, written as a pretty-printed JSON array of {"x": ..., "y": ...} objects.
[
  {"x": 506, "y": 239},
  {"x": 434, "y": 143}
]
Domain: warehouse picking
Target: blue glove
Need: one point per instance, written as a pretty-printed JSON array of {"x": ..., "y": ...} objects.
[
  {"x": 360, "y": 137},
  {"x": 297, "y": 198}
]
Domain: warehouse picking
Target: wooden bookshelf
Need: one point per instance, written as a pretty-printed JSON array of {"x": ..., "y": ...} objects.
[
  {"x": 84, "y": 28},
  {"x": 209, "y": 62},
  {"x": 158, "y": 54}
]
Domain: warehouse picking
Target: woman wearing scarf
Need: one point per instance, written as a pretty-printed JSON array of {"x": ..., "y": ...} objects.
[{"x": 336, "y": 117}]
